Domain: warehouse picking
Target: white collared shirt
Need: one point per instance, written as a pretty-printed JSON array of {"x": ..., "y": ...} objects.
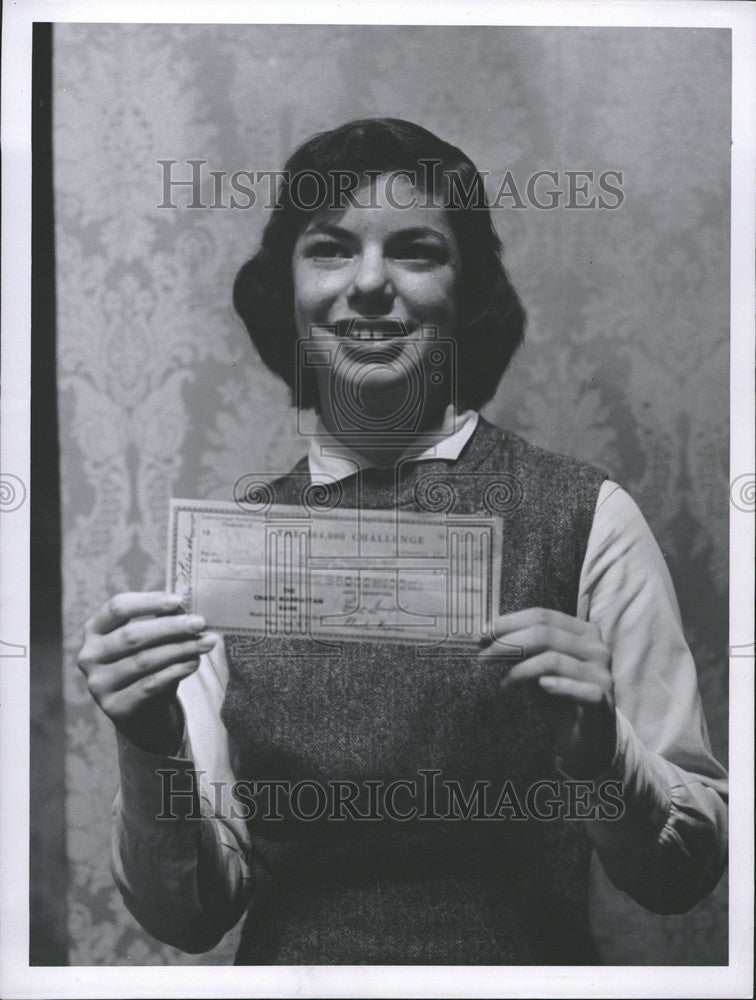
[
  {"x": 330, "y": 460},
  {"x": 667, "y": 852}
]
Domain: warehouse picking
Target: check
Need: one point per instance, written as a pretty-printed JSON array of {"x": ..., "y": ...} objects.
[{"x": 353, "y": 574}]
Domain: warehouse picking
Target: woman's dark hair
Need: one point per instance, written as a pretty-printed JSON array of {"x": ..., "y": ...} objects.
[{"x": 491, "y": 320}]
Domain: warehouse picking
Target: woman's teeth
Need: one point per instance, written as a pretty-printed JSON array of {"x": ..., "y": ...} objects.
[
  {"x": 364, "y": 334},
  {"x": 375, "y": 331}
]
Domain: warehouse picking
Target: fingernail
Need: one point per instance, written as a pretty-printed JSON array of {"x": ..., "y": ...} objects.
[
  {"x": 172, "y": 602},
  {"x": 195, "y": 623},
  {"x": 207, "y": 641}
]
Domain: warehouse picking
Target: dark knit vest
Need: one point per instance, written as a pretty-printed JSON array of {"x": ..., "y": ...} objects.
[{"x": 509, "y": 890}]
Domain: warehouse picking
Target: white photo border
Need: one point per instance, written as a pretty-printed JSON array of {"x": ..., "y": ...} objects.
[{"x": 17, "y": 979}]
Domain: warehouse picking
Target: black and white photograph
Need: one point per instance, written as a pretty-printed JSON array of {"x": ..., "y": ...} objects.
[{"x": 377, "y": 500}]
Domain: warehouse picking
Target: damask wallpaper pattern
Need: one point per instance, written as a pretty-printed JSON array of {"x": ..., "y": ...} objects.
[{"x": 161, "y": 394}]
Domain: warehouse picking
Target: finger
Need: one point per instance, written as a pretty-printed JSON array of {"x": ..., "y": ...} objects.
[
  {"x": 119, "y": 609},
  {"x": 121, "y": 705},
  {"x": 565, "y": 687},
  {"x": 529, "y": 617},
  {"x": 111, "y": 677},
  {"x": 537, "y": 639},
  {"x": 556, "y": 664},
  {"x": 502, "y": 649},
  {"x": 145, "y": 633}
]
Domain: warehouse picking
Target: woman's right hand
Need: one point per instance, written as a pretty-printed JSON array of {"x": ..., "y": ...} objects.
[{"x": 137, "y": 648}]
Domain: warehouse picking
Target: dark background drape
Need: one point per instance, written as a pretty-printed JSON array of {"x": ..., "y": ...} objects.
[{"x": 48, "y": 938}]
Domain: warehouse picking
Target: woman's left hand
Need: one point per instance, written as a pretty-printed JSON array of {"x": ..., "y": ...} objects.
[{"x": 567, "y": 659}]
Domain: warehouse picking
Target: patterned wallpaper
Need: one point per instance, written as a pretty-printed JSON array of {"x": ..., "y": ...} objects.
[{"x": 160, "y": 392}]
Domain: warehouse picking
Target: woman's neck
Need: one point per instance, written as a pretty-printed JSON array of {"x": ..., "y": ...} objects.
[{"x": 385, "y": 447}]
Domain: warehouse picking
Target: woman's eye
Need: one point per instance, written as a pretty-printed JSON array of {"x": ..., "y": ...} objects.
[
  {"x": 420, "y": 252},
  {"x": 328, "y": 250}
]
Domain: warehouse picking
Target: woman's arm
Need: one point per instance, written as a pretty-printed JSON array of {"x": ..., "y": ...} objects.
[
  {"x": 618, "y": 688},
  {"x": 669, "y": 850},
  {"x": 186, "y": 879}
]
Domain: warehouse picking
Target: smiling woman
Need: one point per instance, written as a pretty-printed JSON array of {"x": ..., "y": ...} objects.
[
  {"x": 389, "y": 312},
  {"x": 379, "y": 290},
  {"x": 405, "y": 247}
]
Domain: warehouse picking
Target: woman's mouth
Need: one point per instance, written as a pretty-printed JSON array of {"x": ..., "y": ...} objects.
[{"x": 363, "y": 329}]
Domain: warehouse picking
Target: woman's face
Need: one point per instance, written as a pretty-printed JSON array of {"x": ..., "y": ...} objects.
[{"x": 379, "y": 283}]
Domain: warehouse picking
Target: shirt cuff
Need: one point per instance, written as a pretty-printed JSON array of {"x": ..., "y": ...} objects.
[
  {"x": 646, "y": 800},
  {"x": 158, "y": 791}
]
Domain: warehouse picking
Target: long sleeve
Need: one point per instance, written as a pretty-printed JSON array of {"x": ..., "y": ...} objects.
[
  {"x": 669, "y": 849},
  {"x": 178, "y": 857},
  {"x": 188, "y": 880}
]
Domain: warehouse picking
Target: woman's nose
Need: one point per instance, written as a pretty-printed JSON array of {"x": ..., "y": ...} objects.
[{"x": 371, "y": 277}]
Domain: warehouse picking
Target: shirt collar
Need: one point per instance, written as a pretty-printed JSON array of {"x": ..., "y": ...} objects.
[{"x": 337, "y": 461}]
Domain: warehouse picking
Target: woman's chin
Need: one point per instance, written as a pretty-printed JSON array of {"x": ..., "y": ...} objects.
[
  {"x": 380, "y": 353},
  {"x": 381, "y": 390}
]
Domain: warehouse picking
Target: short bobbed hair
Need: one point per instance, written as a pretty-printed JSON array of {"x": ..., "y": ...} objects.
[{"x": 490, "y": 317}]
